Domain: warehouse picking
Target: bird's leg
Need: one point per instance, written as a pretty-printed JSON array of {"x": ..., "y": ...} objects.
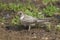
[{"x": 29, "y": 28}]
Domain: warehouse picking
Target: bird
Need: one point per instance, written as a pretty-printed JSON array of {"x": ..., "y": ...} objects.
[{"x": 29, "y": 20}]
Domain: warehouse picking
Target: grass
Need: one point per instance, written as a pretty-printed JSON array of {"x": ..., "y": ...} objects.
[
  {"x": 2, "y": 19},
  {"x": 17, "y": 7},
  {"x": 29, "y": 9},
  {"x": 50, "y": 10},
  {"x": 47, "y": 1},
  {"x": 15, "y": 21},
  {"x": 58, "y": 27}
]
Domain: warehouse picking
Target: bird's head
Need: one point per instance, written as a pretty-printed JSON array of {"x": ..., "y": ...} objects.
[{"x": 20, "y": 13}]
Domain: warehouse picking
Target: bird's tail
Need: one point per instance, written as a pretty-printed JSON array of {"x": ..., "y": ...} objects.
[{"x": 43, "y": 20}]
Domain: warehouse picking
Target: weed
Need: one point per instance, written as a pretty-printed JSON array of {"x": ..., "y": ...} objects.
[
  {"x": 47, "y": 1},
  {"x": 2, "y": 19},
  {"x": 50, "y": 10},
  {"x": 48, "y": 26},
  {"x": 58, "y": 27},
  {"x": 15, "y": 21}
]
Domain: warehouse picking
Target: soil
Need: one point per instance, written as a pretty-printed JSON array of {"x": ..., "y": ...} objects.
[{"x": 40, "y": 34}]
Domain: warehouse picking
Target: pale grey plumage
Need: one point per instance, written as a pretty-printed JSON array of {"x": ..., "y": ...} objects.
[{"x": 29, "y": 20}]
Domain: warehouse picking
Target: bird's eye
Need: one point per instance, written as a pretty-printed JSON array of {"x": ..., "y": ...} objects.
[{"x": 20, "y": 13}]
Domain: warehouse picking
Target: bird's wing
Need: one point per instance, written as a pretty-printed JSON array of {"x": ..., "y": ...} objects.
[{"x": 29, "y": 18}]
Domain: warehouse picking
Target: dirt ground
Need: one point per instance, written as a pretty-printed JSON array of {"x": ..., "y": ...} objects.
[{"x": 34, "y": 34}]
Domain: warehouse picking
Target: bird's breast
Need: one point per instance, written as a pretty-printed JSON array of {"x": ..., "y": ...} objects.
[{"x": 21, "y": 18}]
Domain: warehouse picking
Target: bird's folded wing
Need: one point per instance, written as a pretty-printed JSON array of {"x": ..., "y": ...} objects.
[{"x": 29, "y": 19}]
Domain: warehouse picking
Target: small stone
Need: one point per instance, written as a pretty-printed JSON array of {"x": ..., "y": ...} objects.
[
  {"x": 45, "y": 38},
  {"x": 2, "y": 23}
]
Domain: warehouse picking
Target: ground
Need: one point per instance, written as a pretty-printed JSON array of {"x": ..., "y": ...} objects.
[{"x": 28, "y": 35}]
